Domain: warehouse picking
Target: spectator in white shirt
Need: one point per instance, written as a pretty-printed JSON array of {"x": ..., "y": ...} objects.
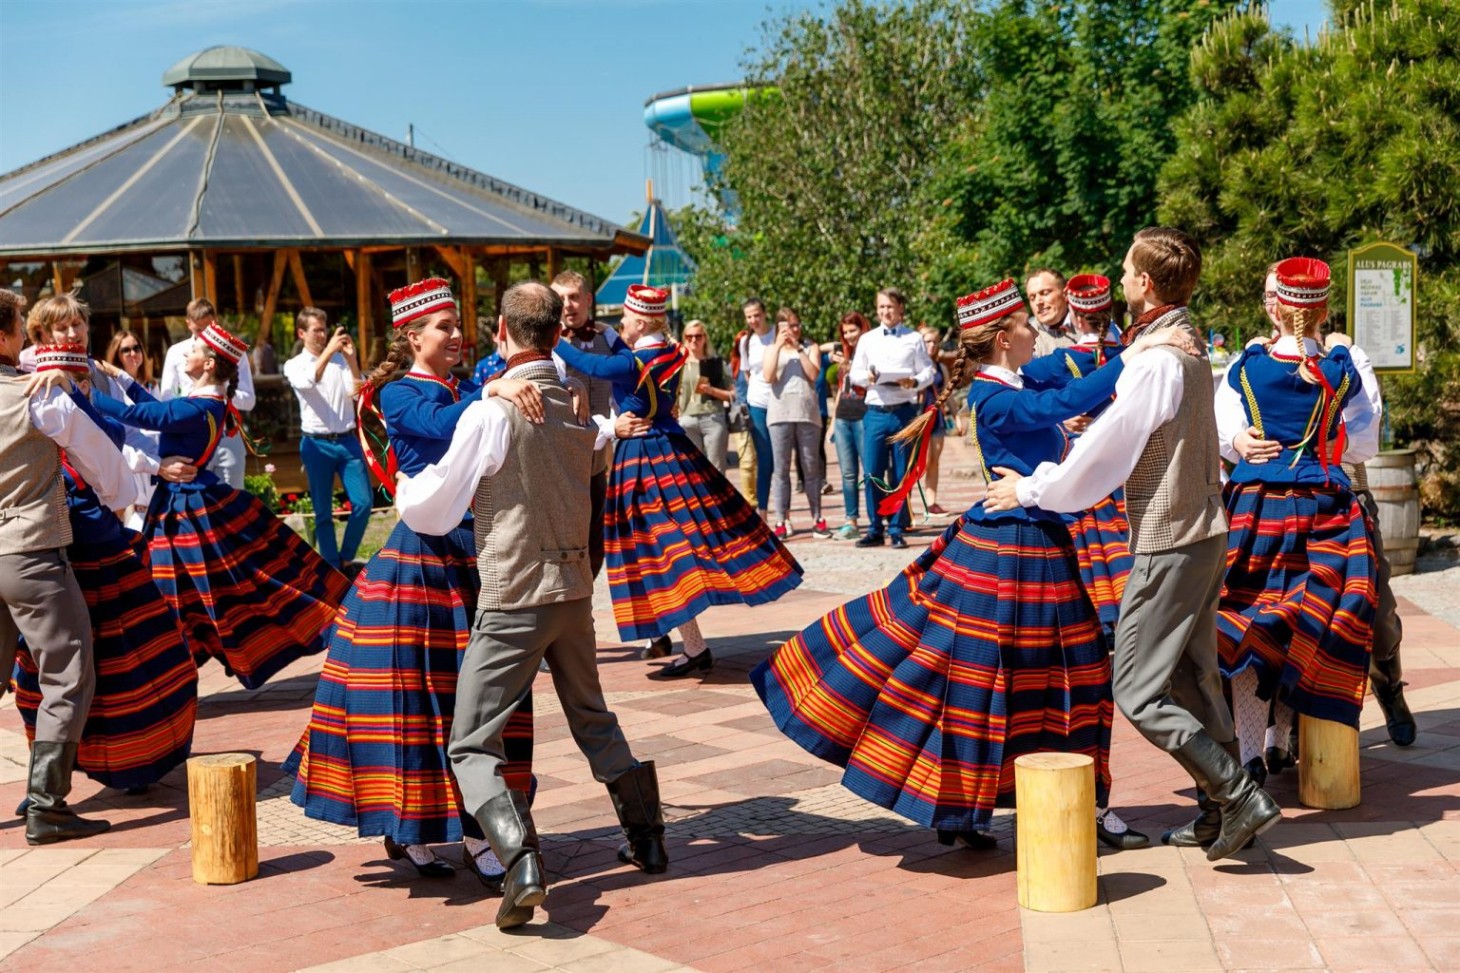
[
  {"x": 758, "y": 396},
  {"x": 324, "y": 375},
  {"x": 228, "y": 460},
  {"x": 892, "y": 364}
]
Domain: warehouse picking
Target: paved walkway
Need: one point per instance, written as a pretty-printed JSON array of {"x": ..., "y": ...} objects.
[{"x": 775, "y": 866}]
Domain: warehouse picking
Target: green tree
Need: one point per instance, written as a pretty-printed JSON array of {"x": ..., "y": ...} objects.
[
  {"x": 829, "y": 172},
  {"x": 1313, "y": 149},
  {"x": 1059, "y": 166}
]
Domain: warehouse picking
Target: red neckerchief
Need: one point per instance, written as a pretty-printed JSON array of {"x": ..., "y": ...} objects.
[
  {"x": 1140, "y": 324},
  {"x": 71, "y": 470},
  {"x": 449, "y": 383},
  {"x": 524, "y": 357}
]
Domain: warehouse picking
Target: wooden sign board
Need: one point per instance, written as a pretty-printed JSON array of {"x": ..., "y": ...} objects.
[{"x": 1381, "y": 289}]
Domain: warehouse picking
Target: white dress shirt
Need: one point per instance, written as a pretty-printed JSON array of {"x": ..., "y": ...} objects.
[
  {"x": 326, "y": 406},
  {"x": 1147, "y": 395},
  {"x": 752, "y": 360},
  {"x": 895, "y": 353},
  {"x": 1361, "y": 416},
  {"x": 175, "y": 382},
  {"x": 87, "y": 446},
  {"x": 435, "y": 499}
]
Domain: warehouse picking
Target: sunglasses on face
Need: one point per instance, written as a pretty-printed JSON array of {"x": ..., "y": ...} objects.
[
  {"x": 693, "y": 337},
  {"x": 130, "y": 350}
]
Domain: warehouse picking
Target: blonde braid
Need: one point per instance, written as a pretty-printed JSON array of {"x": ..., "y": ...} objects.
[
  {"x": 398, "y": 359},
  {"x": 1303, "y": 322}
]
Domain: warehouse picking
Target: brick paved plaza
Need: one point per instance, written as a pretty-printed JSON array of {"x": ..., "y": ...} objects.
[{"x": 774, "y": 865}]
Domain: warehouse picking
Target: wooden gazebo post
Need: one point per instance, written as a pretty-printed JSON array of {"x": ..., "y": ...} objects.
[
  {"x": 469, "y": 302},
  {"x": 364, "y": 305}
]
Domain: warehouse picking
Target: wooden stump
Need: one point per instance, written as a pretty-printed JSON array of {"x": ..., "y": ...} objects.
[
  {"x": 1328, "y": 764},
  {"x": 221, "y": 790},
  {"x": 1055, "y": 795}
]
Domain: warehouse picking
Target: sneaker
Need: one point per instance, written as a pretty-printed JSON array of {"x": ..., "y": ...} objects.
[
  {"x": 937, "y": 511},
  {"x": 872, "y": 540},
  {"x": 820, "y": 530},
  {"x": 847, "y": 532},
  {"x": 783, "y": 530},
  {"x": 827, "y": 489}
]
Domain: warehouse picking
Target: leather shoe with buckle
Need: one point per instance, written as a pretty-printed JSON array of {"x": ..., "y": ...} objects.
[
  {"x": 685, "y": 665},
  {"x": 435, "y": 868}
]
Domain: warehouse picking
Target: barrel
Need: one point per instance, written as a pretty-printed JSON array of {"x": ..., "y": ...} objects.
[{"x": 1395, "y": 489}]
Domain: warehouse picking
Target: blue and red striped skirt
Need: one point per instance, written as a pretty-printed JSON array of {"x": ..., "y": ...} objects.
[
  {"x": 1298, "y": 602},
  {"x": 140, "y": 725},
  {"x": 374, "y": 754},
  {"x": 246, "y": 589},
  {"x": 985, "y": 648},
  {"x": 1101, "y": 536},
  {"x": 679, "y": 538}
]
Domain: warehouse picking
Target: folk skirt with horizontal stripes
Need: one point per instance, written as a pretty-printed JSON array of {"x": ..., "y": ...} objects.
[
  {"x": 1298, "y": 602},
  {"x": 1101, "y": 536},
  {"x": 679, "y": 538},
  {"x": 140, "y": 725},
  {"x": 246, "y": 589},
  {"x": 985, "y": 648},
  {"x": 374, "y": 754}
]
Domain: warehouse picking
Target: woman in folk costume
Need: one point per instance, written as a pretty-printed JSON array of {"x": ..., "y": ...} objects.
[
  {"x": 986, "y": 647},
  {"x": 374, "y": 754},
  {"x": 1102, "y": 533},
  {"x": 679, "y": 538},
  {"x": 140, "y": 725},
  {"x": 1295, "y": 623},
  {"x": 245, "y": 588}
]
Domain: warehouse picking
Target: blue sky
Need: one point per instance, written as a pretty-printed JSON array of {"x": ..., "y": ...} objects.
[{"x": 545, "y": 93}]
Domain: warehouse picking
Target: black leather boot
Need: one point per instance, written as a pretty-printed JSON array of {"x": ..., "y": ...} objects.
[
  {"x": 49, "y": 819},
  {"x": 507, "y": 823},
  {"x": 1388, "y": 686},
  {"x": 1201, "y": 832},
  {"x": 1247, "y": 810},
  {"x": 635, "y": 797}
]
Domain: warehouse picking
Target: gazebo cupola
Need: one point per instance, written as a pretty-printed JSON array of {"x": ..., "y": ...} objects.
[{"x": 227, "y": 68}]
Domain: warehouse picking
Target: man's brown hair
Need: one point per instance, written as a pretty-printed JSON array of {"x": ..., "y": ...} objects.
[
  {"x": 306, "y": 314},
  {"x": 12, "y": 309},
  {"x": 533, "y": 313},
  {"x": 1060, "y": 280},
  {"x": 1171, "y": 259},
  {"x": 200, "y": 308},
  {"x": 571, "y": 278},
  {"x": 895, "y": 295},
  {"x": 53, "y": 312}
]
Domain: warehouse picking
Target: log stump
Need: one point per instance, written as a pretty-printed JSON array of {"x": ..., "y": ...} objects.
[
  {"x": 1055, "y": 796},
  {"x": 221, "y": 792},
  {"x": 1328, "y": 764}
]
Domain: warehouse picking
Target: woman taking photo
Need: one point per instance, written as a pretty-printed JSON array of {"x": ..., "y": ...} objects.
[
  {"x": 791, "y": 366},
  {"x": 704, "y": 391}
]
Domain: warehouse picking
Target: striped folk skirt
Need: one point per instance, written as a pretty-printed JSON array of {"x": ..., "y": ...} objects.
[
  {"x": 1101, "y": 536},
  {"x": 1298, "y": 603},
  {"x": 679, "y": 538},
  {"x": 985, "y": 648},
  {"x": 246, "y": 589},
  {"x": 374, "y": 754},
  {"x": 140, "y": 725}
]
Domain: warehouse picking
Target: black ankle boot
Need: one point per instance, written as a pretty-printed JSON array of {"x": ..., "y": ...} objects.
[
  {"x": 1201, "y": 832},
  {"x": 1398, "y": 720},
  {"x": 635, "y": 797},
  {"x": 507, "y": 823},
  {"x": 1247, "y": 810},
  {"x": 49, "y": 819}
]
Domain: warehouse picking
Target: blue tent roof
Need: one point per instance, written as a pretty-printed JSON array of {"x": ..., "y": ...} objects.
[{"x": 665, "y": 264}]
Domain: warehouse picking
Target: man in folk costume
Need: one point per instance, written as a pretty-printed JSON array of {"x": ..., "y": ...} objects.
[
  {"x": 527, "y": 486},
  {"x": 1159, "y": 438},
  {"x": 596, "y": 339},
  {"x": 39, "y": 596}
]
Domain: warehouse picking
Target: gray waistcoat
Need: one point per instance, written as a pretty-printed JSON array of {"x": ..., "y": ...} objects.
[
  {"x": 1174, "y": 496},
  {"x": 32, "y": 495},
  {"x": 532, "y": 514},
  {"x": 600, "y": 390}
]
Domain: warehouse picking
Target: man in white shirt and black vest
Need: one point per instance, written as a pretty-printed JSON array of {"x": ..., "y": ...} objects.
[
  {"x": 525, "y": 479},
  {"x": 324, "y": 375},
  {"x": 892, "y": 363},
  {"x": 1159, "y": 439}
]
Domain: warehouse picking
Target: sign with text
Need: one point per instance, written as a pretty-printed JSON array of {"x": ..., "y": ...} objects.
[{"x": 1381, "y": 286}]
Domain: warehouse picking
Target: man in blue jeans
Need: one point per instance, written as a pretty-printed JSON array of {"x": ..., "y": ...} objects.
[
  {"x": 758, "y": 396},
  {"x": 324, "y": 375},
  {"x": 892, "y": 364}
]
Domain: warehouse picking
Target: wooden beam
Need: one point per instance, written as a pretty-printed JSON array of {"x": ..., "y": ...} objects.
[
  {"x": 349, "y": 258},
  {"x": 271, "y": 296},
  {"x": 301, "y": 283},
  {"x": 364, "y": 308},
  {"x": 196, "y": 283},
  {"x": 454, "y": 259},
  {"x": 469, "y": 303},
  {"x": 554, "y": 263},
  {"x": 240, "y": 292},
  {"x": 413, "y": 265},
  {"x": 210, "y": 276}
]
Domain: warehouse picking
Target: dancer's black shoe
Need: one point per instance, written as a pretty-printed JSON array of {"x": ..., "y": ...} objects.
[
  {"x": 973, "y": 840},
  {"x": 685, "y": 665},
  {"x": 435, "y": 868}
]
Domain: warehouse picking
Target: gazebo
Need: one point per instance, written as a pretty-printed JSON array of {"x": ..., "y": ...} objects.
[{"x": 242, "y": 192}]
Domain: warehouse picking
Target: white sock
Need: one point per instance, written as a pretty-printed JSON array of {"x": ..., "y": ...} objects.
[
  {"x": 420, "y": 854},
  {"x": 1249, "y": 714},
  {"x": 475, "y": 846},
  {"x": 1112, "y": 821},
  {"x": 1282, "y": 719},
  {"x": 1270, "y": 740},
  {"x": 694, "y": 642}
]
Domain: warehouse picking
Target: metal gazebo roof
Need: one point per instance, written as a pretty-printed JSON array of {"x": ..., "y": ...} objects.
[
  {"x": 230, "y": 163},
  {"x": 665, "y": 265}
]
